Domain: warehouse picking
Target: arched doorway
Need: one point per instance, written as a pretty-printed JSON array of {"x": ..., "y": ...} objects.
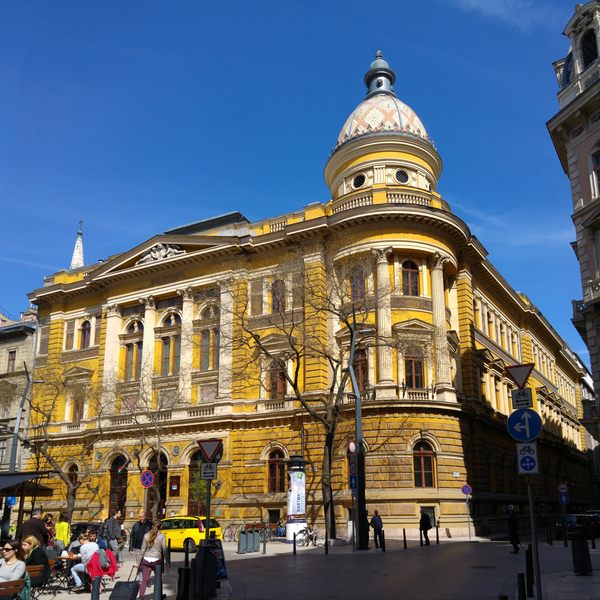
[
  {"x": 196, "y": 504},
  {"x": 118, "y": 485},
  {"x": 160, "y": 480}
]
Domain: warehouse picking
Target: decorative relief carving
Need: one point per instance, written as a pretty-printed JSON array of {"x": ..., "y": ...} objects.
[
  {"x": 437, "y": 261},
  {"x": 582, "y": 23},
  {"x": 381, "y": 256},
  {"x": 148, "y": 302},
  {"x": 113, "y": 310},
  {"x": 160, "y": 252},
  {"x": 187, "y": 294}
]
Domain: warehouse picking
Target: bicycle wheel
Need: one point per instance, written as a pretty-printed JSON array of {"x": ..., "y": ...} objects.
[{"x": 318, "y": 539}]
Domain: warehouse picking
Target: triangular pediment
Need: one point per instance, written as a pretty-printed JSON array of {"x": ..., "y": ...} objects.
[
  {"x": 413, "y": 326},
  {"x": 592, "y": 221},
  {"x": 344, "y": 334},
  {"x": 485, "y": 356},
  {"x": 165, "y": 251},
  {"x": 78, "y": 373},
  {"x": 274, "y": 343},
  {"x": 7, "y": 388}
]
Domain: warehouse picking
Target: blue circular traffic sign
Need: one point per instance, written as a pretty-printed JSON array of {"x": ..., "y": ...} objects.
[
  {"x": 528, "y": 464},
  {"x": 466, "y": 489},
  {"x": 524, "y": 425},
  {"x": 147, "y": 479}
]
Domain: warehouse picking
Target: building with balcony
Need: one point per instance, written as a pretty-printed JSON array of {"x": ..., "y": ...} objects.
[{"x": 239, "y": 330}]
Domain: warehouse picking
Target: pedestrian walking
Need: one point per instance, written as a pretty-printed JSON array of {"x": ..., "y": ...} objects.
[
  {"x": 425, "y": 525},
  {"x": 112, "y": 531},
  {"x": 377, "y": 526},
  {"x": 153, "y": 554},
  {"x": 138, "y": 531},
  {"x": 513, "y": 529}
]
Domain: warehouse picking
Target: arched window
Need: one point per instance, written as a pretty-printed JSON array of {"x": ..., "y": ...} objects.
[
  {"x": 277, "y": 382},
  {"x": 118, "y": 484},
  {"x": 413, "y": 368},
  {"x": 357, "y": 284},
  {"x": 277, "y": 479},
  {"x": 423, "y": 463},
  {"x": 136, "y": 327},
  {"x": 278, "y": 296},
  {"x": 410, "y": 278},
  {"x": 197, "y": 487},
  {"x": 361, "y": 369},
  {"x": 589, "y": 48},
  {"x": 86, "y": 334}
]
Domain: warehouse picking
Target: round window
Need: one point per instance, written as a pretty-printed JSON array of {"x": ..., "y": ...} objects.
[
  {"x": 401, "y": 176},
  {"x": 359, "y": 181}
]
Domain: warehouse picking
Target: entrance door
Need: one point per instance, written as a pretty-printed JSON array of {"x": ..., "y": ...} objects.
[
  {"x": 196, "y": 506},
  {"x": 160, "y": 480},
  {"x": 118, "y": 485}
]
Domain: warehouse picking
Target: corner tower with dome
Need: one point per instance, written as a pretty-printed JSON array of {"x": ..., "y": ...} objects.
[{"x": 239, "y": 330}]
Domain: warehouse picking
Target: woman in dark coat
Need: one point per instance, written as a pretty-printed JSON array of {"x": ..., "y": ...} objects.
[
  {"x": 35, "y": 555},
  {"x": 513, "y": 530},
  {"x": 425, "y": 525}
]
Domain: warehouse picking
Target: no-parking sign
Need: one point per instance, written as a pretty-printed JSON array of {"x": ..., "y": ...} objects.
[{"x": 147, "y": 479}]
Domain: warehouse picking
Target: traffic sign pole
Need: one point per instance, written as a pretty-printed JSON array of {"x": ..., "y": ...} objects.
[{"x": 536, "y": 555}]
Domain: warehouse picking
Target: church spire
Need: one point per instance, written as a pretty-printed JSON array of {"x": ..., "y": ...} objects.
[{"x": 77, "y": 260}]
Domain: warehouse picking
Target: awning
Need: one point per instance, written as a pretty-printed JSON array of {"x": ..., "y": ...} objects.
[{"x": 14, "y": 484}]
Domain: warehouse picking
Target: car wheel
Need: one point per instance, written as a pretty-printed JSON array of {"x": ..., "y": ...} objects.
[{"x": 189, "y": 545}]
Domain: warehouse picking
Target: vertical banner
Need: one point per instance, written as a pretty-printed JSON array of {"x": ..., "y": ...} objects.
[{"x": 296, "y": 500}]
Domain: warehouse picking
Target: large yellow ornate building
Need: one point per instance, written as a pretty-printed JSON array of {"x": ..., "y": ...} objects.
[{"x": 202, "y": 331}]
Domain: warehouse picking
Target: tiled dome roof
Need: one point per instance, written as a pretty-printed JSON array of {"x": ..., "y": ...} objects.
[{"x": 384, "y": 113}]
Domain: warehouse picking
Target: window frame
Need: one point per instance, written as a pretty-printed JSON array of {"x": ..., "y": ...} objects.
[
  {"x": 12, "y": 361},
  {"x": 361, "y": 369},
  {"x": 276, "y": 477},
  {"x": 277, "y": 380},
  {"x": 589, "y": 54},
  {"x": 85, "y": 335},
  {"x": 415, "y": 362},
  {"x": 419, "y": 455},
  {"x": 278, "y": 296},
  {"x": 410, "y": 278},
  {"x": 357, "y": 283}
]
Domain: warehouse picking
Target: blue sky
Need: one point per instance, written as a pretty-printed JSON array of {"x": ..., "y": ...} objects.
[{"x": 140, "y": 116}]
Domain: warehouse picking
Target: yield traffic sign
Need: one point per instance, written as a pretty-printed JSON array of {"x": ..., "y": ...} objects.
[
  {"x": 520, "y": 373},
  {"x": 210, "y": 449},
  {"x": 524, "y": 425}
]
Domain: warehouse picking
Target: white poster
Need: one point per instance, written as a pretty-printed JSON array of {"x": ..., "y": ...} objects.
[{"x": 296, "y": 504}]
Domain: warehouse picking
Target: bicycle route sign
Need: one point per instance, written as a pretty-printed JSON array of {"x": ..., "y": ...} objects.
[
  {"x": 527, "y": 456},
  {"x": 208, "y": 470},
  {"x": 524, "y": 425},
  {"x": 147, "y": 478},
  {"x": 522, "y": 398}
]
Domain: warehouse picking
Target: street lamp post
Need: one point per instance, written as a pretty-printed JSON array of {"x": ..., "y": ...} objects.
[{"x": 362, "y": 526}]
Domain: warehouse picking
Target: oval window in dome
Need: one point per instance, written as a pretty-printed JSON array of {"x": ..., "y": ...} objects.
[
  {"x": 359, "y": 181},
  {"x": 401, "y": 176}
]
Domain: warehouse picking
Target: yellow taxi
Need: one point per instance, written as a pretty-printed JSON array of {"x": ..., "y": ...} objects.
[{"x": 186, "y": 531}]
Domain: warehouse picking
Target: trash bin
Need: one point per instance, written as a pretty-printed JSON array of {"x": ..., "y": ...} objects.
[
  {"x": 582, "y": 563},
  {"x": 255, "y": 539}
]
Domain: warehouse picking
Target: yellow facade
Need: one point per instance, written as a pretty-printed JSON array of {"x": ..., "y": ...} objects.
[{"x": 201, "y": 333}]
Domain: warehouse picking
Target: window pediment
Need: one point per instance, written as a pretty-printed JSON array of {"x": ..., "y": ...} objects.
[{"x": 78, "y": 373}]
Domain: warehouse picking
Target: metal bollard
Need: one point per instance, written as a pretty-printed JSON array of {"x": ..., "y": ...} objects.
[
  {"x": 294, "y": 542},
  {"x": 592, "y": 536},
  {"x": 326, "y": 543},
  {"x": 96, "y": 583},
  {"x": 157, "y": 583},
  {"x": 183, "y": 583},
  {"x": 169, "y": 552},
  {"x": 193, "y": 580},
  {"x": 264, "y": 541},
  {"x": 529, "y": 571},
  {"x": 186, "y": 562},
  {"x": 521, "y": 586},
  {"x": 437, "y": 534},
  {"x": 382, "y": 540},
  {"x": 421, "y": 537},
  {"x": 404, "y": 535}
]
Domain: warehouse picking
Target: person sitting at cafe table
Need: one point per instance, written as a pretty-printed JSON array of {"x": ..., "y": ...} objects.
[
  {"x": 35, "y": 555},
  {"x": 12, "y": 564},
  {"x": 94, "y": 536},
  {"x": 87, "y": 550}
]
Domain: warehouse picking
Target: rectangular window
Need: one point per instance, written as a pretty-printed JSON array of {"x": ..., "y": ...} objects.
[
  {"x": 177, "y": 355},
  {"x": 413, "y": 372},
  {"x": 44, "y": 338},
  {"x": 166, "y": 356},
  {"x": 297, "y": 290},
  {"x": 216, "y": 343},
  {"x": 174, "y": 486},
  {"x": 140, "y": 350},
  {"x": 2, "y": 451},
  {"x": 77, "y": 410},
  {"x": 256, "y": 297},
  {"x": 97, "y": 330},
  {"x": 357, "y": 284},
  {"x": 6, "y": 410},
  {"x": 129, "y": 362},
  {"x": 596, "y": 165},
  {"x": 205, "y": 351},
  {"x": 69, "y": 335},
  {"x": 12, "y": 359}
]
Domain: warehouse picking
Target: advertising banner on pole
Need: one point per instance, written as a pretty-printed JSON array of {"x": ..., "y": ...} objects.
[{"x": 296, "y": 500}]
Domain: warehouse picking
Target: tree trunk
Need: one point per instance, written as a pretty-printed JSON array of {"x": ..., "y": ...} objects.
[
  {"x": 70, "y": 501},
  {"x": 328, "y": 505}
]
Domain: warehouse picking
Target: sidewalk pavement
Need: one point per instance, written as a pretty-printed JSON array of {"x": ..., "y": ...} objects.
[{"x": 453, "y": 570}]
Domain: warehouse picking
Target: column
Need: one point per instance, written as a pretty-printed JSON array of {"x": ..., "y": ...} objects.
[
  {"x": 148, "y": 356},
  {"x": 386, "y": 387},
  {"x": 187, "y": 346},
  {"x": 111, "y": 354},
  {"x": 226, "y": 329},
  {"x": 444, "y": 389}
]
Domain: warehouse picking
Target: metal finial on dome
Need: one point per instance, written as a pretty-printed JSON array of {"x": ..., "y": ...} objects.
[{"x": 380, "y": 78}]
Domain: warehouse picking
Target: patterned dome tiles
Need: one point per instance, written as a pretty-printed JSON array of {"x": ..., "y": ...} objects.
[{"x": 382, "y": 113}]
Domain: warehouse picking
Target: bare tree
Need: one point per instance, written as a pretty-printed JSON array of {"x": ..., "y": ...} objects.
[
  {"x": 290, "y": 335},
  {"x": 66, "y": 389}
]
